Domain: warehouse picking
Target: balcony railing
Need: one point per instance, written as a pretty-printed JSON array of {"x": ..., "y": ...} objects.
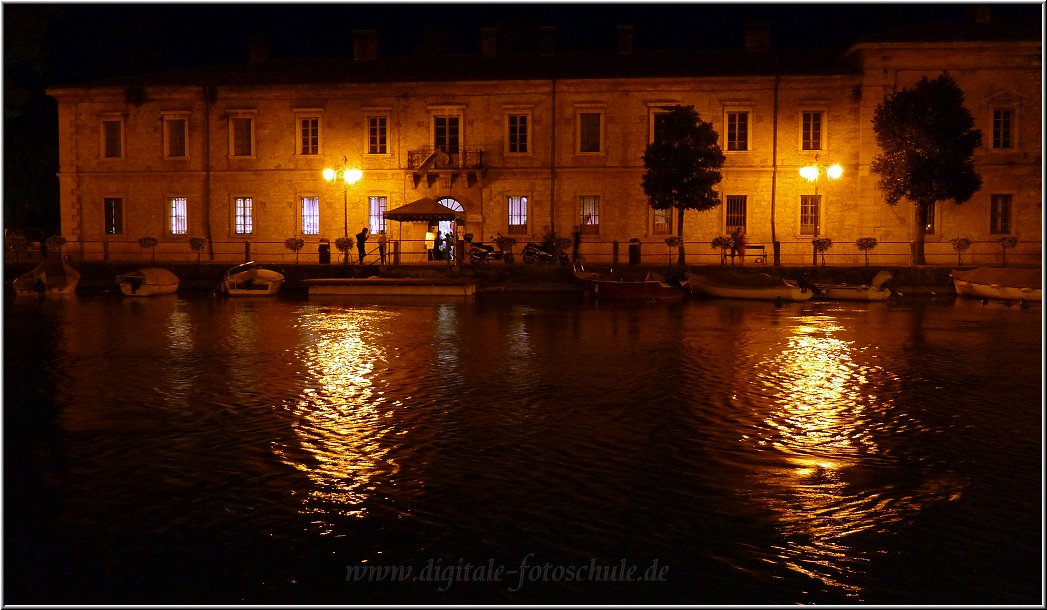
[{"x": 428, "y": 158}]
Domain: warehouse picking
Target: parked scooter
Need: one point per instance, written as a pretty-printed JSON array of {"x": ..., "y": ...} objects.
[
  {"x": 481, "y": 253},
  {"x": 538, "y": 253}
]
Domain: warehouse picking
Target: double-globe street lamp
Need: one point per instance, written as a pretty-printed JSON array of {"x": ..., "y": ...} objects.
[
  {"x": 350, "y": 176},
  {"x": 812, "y": 173}
]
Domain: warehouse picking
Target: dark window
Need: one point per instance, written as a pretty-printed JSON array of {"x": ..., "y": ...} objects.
[
  {"x": 114, "y": 216},
  {"x": 589, "y": 132},
  {"x": 810, "y": 212},
  {"x": 1000, "y": 215}
]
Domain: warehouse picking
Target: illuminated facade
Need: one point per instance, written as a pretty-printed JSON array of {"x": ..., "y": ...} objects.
[{"x": 527, "y": 144}]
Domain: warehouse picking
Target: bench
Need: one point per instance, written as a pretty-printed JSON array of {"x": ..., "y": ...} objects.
[{"x": 757, "y": 253}]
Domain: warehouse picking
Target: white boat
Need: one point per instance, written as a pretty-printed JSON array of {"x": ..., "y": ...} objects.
[
  {"x": 147, "y": 282},
  {"x": 52, "y": 276},
  {"x": 879, "y": 289},
  {"x": 252, "y": 279},
  {"x": 650, "y": 287},
  {"x": 753, "y": 286},
  {"x": 999, "y": 283}
]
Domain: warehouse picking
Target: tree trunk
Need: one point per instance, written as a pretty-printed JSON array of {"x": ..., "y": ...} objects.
[
  {"x": 682, "y": 259},
  {"x": 919, "y": 233}
]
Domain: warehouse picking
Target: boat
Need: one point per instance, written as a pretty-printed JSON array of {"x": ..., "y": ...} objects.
[
  {"x": 650, "y": 287},
  {"x": 753, "y": 286},
  {"x": 999, "y": 283},
  {"x": 147, "y": 282},
  {"x": 252, "y": 279},
  {"x": 52, "y": 277},
  {"x": 879, "y": 289}
]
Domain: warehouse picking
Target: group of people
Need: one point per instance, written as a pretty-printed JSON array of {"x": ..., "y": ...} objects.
[{"x": 361, "y": 244}]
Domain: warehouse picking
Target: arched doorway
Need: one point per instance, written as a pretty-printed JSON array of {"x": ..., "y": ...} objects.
[{"x": 447, "y": 227}]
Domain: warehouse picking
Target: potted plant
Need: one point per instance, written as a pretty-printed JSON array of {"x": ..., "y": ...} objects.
[
  {"x": 344, "y": 245},
  {"x": 672, "y": 241},
  {"x": 1007, "y": 242},
  {"x": 960, "y": 244},
  {"x": 294, "y": 244},
  {"x": 822, "y": 244},
  {"x": 865, "y": 244},
  {"x": 149, "y": 242},
  {"x": 196, "y": 244},
  {"x": 724, "y": 243}
]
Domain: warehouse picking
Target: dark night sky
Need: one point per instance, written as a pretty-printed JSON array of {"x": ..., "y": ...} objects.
[{"x": 58, "y": 44}]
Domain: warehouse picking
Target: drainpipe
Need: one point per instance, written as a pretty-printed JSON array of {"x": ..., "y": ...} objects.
[
  {"x": 207, "y": 170},
  {"x": 775, "y": 244},
  {"x": 552, "y": 163}
]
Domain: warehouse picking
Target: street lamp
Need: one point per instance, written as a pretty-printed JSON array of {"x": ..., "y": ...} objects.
[
  {"x": 350, "y": 176},
  {"x": 812, "y": 173}
]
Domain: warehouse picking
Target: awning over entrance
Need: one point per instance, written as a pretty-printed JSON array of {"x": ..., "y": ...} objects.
[{"x": 423, "y": 210}]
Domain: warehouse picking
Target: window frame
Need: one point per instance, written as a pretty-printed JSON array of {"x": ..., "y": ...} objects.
[
  {"x": 381, "y": 146},
  {"x": 526, "y": 115},
  {"x": 818, "y": 214},
  {"x": 233, "y": 119},
  {"x": 301, "y": 115},
  {"x": 998, "y": 226},
  {"x": 999, "y": 142},
  {"x": 729, "y": 215},
  {"x": 169, "y": 119},
  {"x": 116, "y": 219},
  {"x": 247, "y": 214},
  {"x": 580, "y": 126},
  {"x": 514, "y": 205},
  {"x": 730, "y": 141},
  {"x": 104, "y": 137},
  {"x": 589, "y": 227},
  {"x": 173, "y": 217},
  {"x": 309, "y": 223},
  {"x": 822, "y": 116},
  {"x": 667, "y": 215},
  {"x": 458, "y": 131},
  {"x": 377, "y": 205}
]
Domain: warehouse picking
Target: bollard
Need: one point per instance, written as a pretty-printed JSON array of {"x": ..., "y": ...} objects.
[{"x": 247, "y": 251}]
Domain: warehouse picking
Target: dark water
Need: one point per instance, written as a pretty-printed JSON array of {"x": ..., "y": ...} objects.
[{"x": 520, "y": 450}]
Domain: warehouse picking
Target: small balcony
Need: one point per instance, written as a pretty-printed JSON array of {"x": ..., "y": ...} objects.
[{"x": 430, "y": 164}]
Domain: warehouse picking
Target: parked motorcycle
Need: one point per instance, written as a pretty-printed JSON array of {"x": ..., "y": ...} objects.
[
  {"x": 481, "y": 253},
  {"x": 538, "y": 253}
]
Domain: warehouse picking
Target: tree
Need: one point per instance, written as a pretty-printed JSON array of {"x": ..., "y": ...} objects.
[
  {"x": 149, "y": 242},
  {"x": 927, "y": 139},
  {"x": 294, "y": 244},
  {"x": 865, "y": 244},
  {"x": 960, "y": 244},
  {"x": 682, "y": 166}
]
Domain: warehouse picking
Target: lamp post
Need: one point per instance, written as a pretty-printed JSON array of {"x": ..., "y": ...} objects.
[
  {"x": 812, "y": 173},
  {"x": 350, "y": 176}
]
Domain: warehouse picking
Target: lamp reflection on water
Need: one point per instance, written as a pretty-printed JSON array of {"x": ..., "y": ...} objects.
[
  {"x": 338, "y": 419},
  {"x": 824, "y": 475}
]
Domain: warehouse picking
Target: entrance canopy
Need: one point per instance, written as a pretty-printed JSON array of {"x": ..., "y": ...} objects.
[{"x": 424, "y": 210}]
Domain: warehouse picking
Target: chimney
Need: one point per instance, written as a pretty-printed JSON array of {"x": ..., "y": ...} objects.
[
  {"x": 365, "y": 45},
  {"x": 489, "y": 42},
  {"x": 757, "y": 36},
  {"x": 625, "y": 39},
  {"x": 259, "y": 49},
  {"x": 547, "y": 40}
]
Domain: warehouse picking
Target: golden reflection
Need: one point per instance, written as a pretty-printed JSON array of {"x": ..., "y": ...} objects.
[
  {"x": 821, "y": 471},
  {"x": 337, "y": 421}
]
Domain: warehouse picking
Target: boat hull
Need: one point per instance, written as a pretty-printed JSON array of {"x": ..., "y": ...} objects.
[
  {"x": 148, "y": 282},
  {"x": 249, "y": 280},
  {"x": 50, "y": 278},
  {"x": 780, "y": 290},
  {"x": 999, "y": 284},
  {"x": 626, "y": 290},
  {"x": 844, "y": 292}
]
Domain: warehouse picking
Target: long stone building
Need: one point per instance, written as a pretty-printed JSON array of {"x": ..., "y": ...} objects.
[{"x": 533, "y": 143}]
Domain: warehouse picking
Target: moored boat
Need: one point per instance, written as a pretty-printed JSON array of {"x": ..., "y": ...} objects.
[
  {"x": 999, "y": 283},
  {"x": 752, "y": 286},
  {"x": 252, "y": 279},
  {"x": 147, "y": 282},
  {"x": 879, "y": 289},
  {"x": 650, "y": 287},
  {"x": 51, "y": 277}
]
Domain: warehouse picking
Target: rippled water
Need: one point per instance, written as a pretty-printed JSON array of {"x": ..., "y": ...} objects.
[{"x": 197, "y": 450}]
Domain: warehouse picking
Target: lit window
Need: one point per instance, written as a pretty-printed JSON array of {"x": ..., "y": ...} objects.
[
  {"x": 244, "y": 215},
  {"x": 114, "y": 215},
  {"x": 518, "y": 133},
  {"x": 518, "y": 215},
  {"x": 113, "y": 139},
  {"x": 377, "y": 135},
  {"x": 310, "y": 215},
  {"x": 1000, "y": 215},
  {"x": 309, "y": 135},
  {"x": 662, "y": 222},
  {"x": 929, "y": 221},
  {"x": 177, "y": 215},
  {"x": 812, "y": 131},
  {"x": 736, "y": 212},
  {"x": 1003, "y": 128},
  {"x": 810, "y": 211},
  {"x": 589, "y": 126},
  {"x": 589, "y": 214},
  {"x": 737, "y": 131},
  {"x": 376, "y": 213},
  {"x": 176, "y": 133}
]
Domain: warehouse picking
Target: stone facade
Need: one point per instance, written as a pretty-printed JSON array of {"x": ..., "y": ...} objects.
[{"x": 120, "y": 150}]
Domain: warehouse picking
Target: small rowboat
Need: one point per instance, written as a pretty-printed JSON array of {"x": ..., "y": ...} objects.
[
  {"x": 759, "y": 286},
  {"x": 252, "y": 279},
  {"x": 147, "y": 282},
  {"x": 999, "y": 283}
]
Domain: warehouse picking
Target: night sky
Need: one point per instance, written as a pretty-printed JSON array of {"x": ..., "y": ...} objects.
[{"x": 58, "y": 44}]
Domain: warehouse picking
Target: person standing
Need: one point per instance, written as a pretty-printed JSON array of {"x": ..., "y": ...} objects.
[
  {"x": 361, "y": 241},
  {"x": 381, "y": 246},
  {"x": 738, "y": 244}
]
